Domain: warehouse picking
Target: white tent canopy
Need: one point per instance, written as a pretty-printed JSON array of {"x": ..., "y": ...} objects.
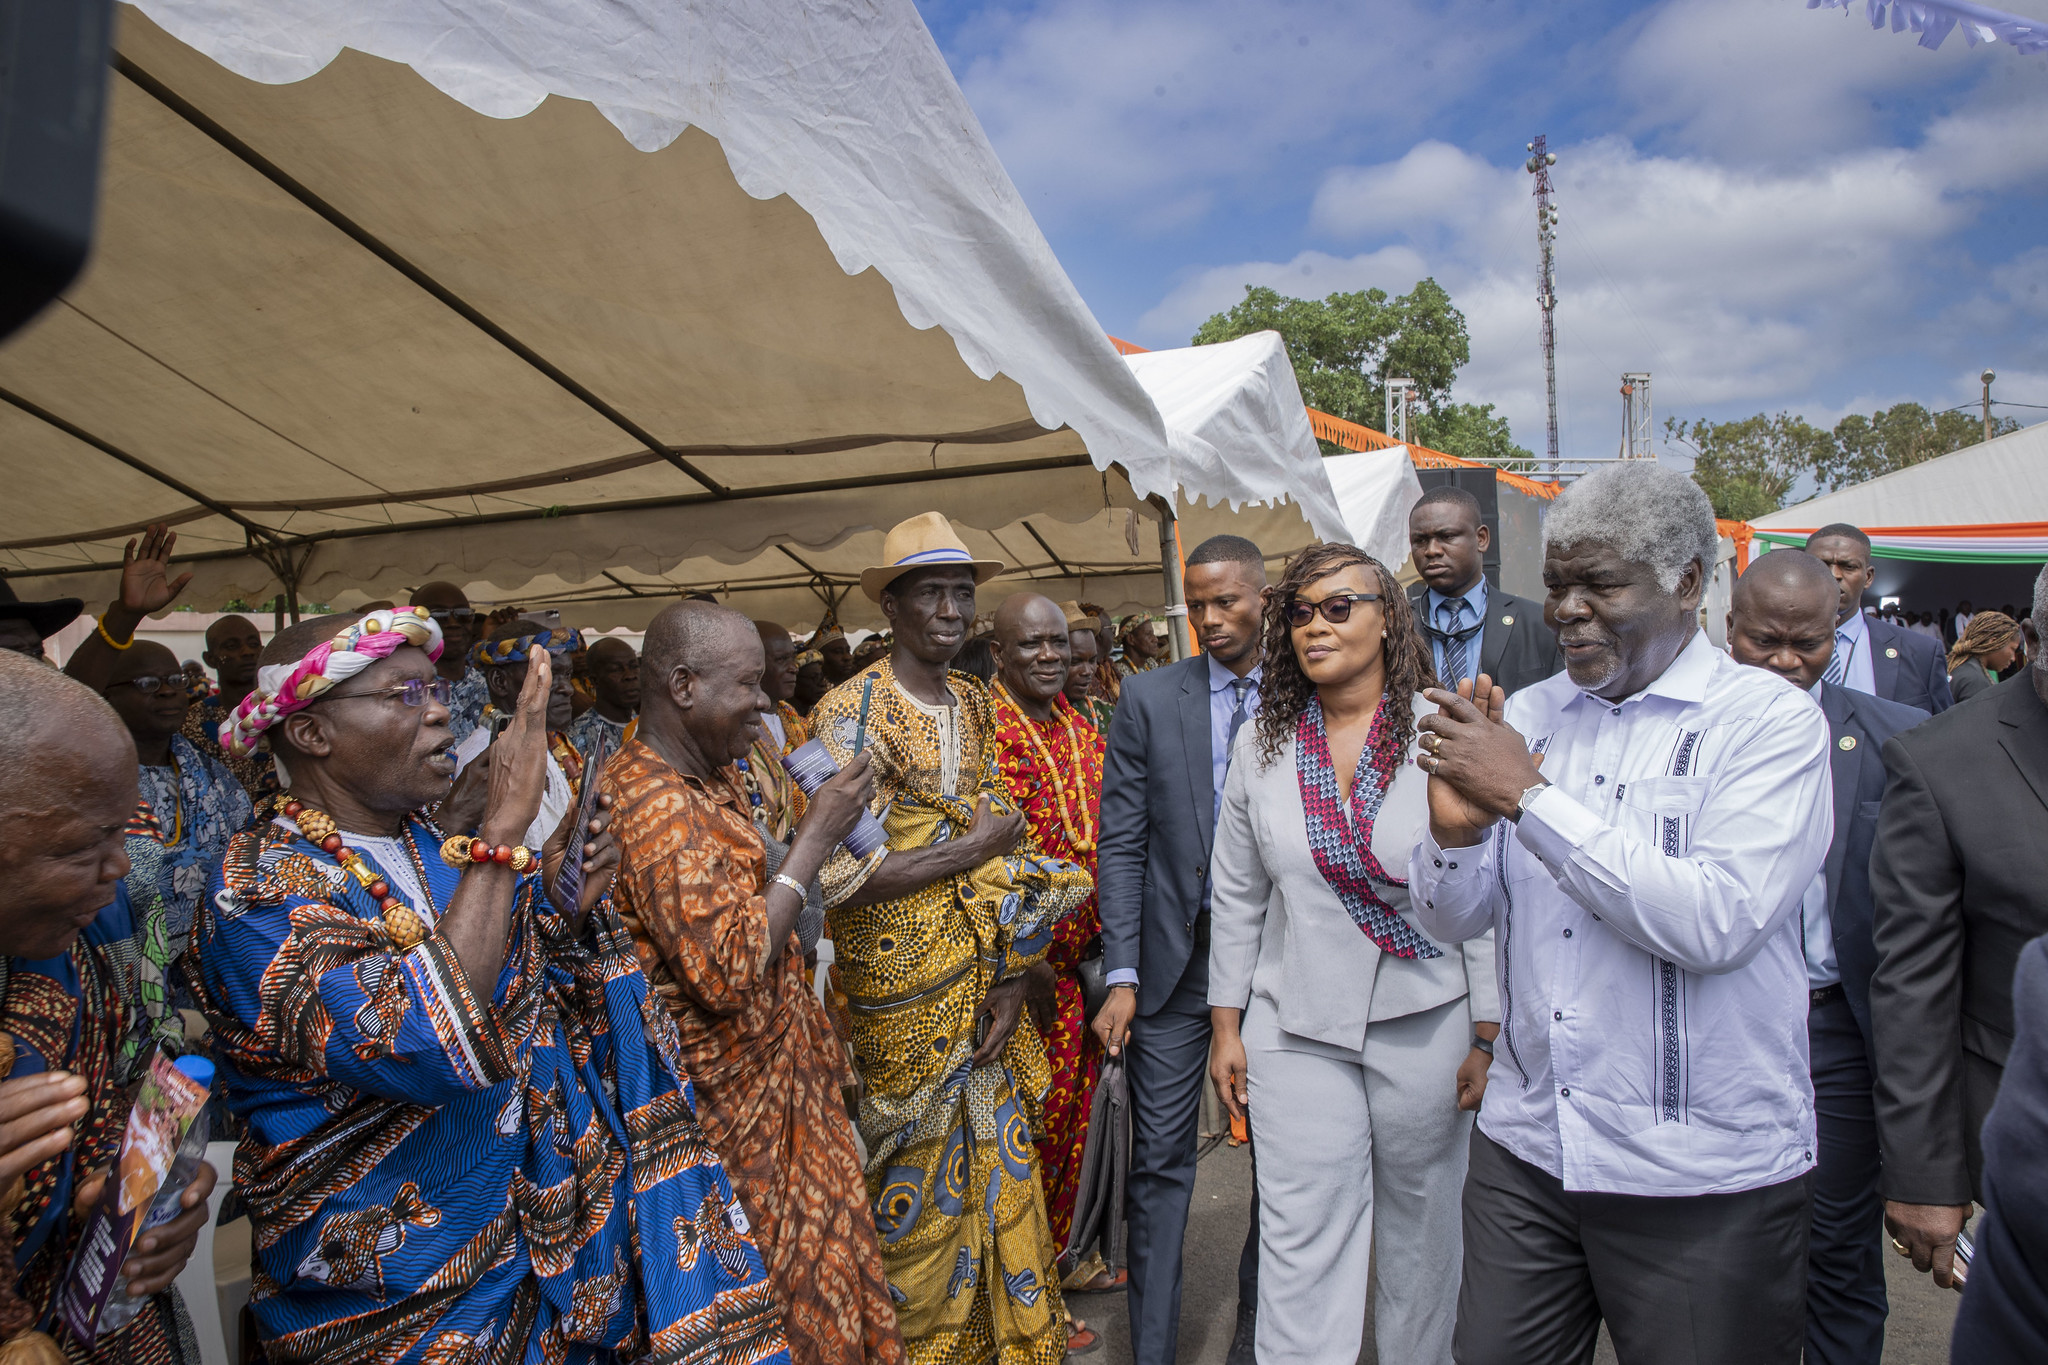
[
  {"x": 1235, "y": 421},
  {"x": 582, "y": 289},
  {"x": 1376, "y": 490},
  {"x": 1999, "y": 482}
]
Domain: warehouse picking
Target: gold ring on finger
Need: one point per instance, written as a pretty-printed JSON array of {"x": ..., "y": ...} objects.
[{"x": 1901, "y": 1247}]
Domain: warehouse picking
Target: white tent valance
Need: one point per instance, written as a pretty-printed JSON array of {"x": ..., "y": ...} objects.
[{"x": 564, "y": 290}]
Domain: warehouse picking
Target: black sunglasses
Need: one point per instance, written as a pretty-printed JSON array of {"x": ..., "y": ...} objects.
[
  {"x": 452, "y": 613},
  {"x": 1336, "y": 608}
]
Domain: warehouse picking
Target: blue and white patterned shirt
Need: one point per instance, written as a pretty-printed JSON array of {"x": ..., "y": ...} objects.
[{"x": 466, "y": 706}]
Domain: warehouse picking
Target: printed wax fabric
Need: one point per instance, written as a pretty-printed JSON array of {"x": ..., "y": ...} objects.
[
  {"x": 952, "y": 1161},
  {"x": 466, "y": 703},
  {"x": 795, "y": 729},
  {"x": 1098, "y": 712},
  {"x": 434, "y": 1176},
  {"x": 198, "y": 805},
  {"x": 133, "y": 936},
  {"x": 70, "y": 1012},
  {"x": 765, "y": 1066},
  {"x": 256, "y": 771},
  {"x": 1062, "y": 804},
  {"x": 584, "y": 731}
]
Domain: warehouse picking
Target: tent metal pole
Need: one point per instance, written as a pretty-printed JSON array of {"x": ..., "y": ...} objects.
[{"x": 1169, "y": 577}]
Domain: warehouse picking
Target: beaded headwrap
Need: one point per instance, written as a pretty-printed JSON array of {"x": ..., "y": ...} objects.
[
  {"x": 517, "y": 649},
  {"x": 282, "y": 689}
]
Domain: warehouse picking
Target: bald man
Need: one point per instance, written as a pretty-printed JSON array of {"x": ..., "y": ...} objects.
[
  {"x": 64, "y": 813},
  {"x": 1782, "y": 618},
  {"x": 233, "y": 645},
  {"x": 461, "y": 627},
  {"x": 615, "y": 685},
  {"x": 719, "y": 925},
  {"x": 1050, "y": 758}
]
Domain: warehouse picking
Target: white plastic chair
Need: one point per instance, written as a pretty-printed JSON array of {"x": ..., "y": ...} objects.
[{"x": 197, "y": 1281}]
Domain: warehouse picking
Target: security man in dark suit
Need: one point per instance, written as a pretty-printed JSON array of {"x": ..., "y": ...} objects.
[
  {"x": 1958, "y": 871},
  {"x": 1781, "y": 618},
  {"x": 1473, "y": 626},
  {"x": 1162, "y": 781},
  {"x": 1871, "y": 654}
]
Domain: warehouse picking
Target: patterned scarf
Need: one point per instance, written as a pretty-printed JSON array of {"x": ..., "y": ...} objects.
[{"x": 1341, "y": 839}]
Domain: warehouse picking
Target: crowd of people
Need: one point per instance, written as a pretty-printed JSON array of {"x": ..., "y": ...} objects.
[{"x": 1560, "y": 966}]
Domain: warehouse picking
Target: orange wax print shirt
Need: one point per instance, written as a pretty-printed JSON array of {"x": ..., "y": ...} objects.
[{"x": 1062, "y": 805}]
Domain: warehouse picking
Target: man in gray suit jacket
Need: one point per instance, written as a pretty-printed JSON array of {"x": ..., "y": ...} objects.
[
  {"x": 1782, "y": 618},
  {"x": 1961, "y": 857},
  {"x": 1169, "y": 747},
  {"x": 1472, "y": 626}
]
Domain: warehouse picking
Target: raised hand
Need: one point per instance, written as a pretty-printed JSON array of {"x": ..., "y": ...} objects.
[
  {"x": 519, "y": 759},
  {"x": 146, "y": 585},
  {"x": 1478, "y": 766}
]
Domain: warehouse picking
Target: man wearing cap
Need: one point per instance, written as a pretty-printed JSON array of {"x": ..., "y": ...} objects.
[
  {"x": 25, "y": 625},
  {"x": 938, "y": 935},
  {"x": 502, "y": 659}
]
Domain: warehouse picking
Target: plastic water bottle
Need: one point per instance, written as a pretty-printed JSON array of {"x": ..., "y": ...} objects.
[{"x": 122, "y": 1307}]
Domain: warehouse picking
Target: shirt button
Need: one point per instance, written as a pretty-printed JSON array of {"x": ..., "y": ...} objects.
[
  {"x": 1454, "y": 867},
  {"x": 1600, "y": 781},
  {"x": 1566, "y": 1092},
  {"x": 1557, "y": 1014},
  {"x": 1567, "y": 933},
  {"x": 1617, "y": 710},
  {"x": 1439, "y": 862}
]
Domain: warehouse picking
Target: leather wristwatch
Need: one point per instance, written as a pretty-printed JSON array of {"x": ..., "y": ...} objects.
[{"x": 1522, "y": 803}]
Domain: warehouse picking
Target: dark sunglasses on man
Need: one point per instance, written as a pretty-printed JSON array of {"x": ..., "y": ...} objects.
[
  {"x": 1336, "y": 608},
  {"x": 464, "y": 614}
]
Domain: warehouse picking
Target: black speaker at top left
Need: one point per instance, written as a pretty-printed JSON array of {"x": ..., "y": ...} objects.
[{"x": 53, "y": 98}]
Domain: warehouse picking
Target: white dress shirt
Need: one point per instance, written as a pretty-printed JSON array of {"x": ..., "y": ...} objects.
[
  {"x": 1852, "y": 642},
  {"x": 1652, "y": 979}
]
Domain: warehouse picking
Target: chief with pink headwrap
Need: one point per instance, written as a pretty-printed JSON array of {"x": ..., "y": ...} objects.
[{"x": 282, "y": 689}]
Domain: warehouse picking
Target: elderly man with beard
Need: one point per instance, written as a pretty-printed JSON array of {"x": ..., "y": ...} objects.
[
  {"x": 1051, "y": 761},
  {"x": 615, "y": 682},
  {"x": 1641, "y": 832},
  {"x": 937, "y": 934},
  {"x": 469, "y": 1134},
  {"x": 715, "y": 908},
  {"x": 68, "y": 1058}
]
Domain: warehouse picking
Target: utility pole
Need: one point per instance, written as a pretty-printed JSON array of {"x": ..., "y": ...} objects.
[
  {"x": 1541, "y": 159},
  {"x": 1635, "y": 417},
  {"x": 1987, "y": 377}
]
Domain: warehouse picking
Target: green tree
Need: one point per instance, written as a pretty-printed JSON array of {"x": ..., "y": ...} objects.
[
  {"x": 1474, "y": 431},
  {"x": 1748, "y": 467},
  {"x": 1897, "y": 437},
  {"x": 1344, "y": 345}
]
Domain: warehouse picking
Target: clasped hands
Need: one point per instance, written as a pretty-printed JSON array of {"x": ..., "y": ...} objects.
[{"x": 1478, "y": 765}]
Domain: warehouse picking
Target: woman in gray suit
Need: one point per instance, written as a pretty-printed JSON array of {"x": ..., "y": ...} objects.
[
  {"x": 1355, "y": 1043},
  {"x": 1984, "y": 653}
]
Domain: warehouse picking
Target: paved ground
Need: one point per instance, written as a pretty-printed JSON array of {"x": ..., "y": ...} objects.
[{"x": 1916, "y": 1335}]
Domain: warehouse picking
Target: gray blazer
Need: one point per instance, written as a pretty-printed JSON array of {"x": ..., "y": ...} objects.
[
  {"x": 1968, "y": 680},
  {"x": 1277, "y": 930},
  {"x": 1158, "y": 813}
]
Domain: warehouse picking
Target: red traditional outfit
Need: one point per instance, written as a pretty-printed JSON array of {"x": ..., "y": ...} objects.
[{"x": 1054, "y": 773}]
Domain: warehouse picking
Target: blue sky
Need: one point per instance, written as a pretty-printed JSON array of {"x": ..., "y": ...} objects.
[{"x": 1766, "y": 206}]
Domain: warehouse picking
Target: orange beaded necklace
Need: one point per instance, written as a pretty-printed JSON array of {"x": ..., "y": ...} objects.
[{"x": 1083, "y": 839}]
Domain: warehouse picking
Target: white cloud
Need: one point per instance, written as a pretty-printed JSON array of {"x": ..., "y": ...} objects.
[{"x": 1312, "y": 274}]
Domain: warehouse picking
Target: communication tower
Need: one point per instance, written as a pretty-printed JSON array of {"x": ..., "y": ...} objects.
[{"x": 1541, "y": 159}]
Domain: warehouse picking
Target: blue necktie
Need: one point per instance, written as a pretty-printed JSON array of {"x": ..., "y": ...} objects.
[
  {"x": 1838, "y": 666},
  {"x": 1454, "y": 648},
  {"x": 1241, "y": 687}
]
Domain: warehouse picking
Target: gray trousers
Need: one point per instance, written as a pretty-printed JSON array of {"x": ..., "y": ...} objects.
[
  {"x": 1704, "y": 1279},
  {"x": 1358, "y": 1150}
]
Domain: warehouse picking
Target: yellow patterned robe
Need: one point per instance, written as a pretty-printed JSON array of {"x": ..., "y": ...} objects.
[{"x": 952, "y": 1165}]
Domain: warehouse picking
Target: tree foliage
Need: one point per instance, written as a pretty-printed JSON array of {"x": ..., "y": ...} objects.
[
  {"x": 1474, "y": 431},
  {"x": 1345, "y": 345},
  {"x": 1749, "y": 467}
]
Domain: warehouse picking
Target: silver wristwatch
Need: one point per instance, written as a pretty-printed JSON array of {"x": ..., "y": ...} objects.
[{"x": 1522, "y": 802}]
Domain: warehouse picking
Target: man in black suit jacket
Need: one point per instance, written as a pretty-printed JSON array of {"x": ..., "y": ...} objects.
[
  {"x": 1781, "y": 618},
  {"x": 2004, "y": 1315},
  {"x": 1472, "y": 626},
  {"x": 1161, "y": 782},
  {"x": 1958, "y": 871},
  {"x": 1872, "y": 654}
]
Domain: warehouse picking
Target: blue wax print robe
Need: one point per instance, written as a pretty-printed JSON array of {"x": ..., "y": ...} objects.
[{"x": 436, "y": 1179}]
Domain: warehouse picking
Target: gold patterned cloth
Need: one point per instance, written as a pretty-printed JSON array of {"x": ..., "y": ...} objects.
[{"x": 952, "y": 1166}]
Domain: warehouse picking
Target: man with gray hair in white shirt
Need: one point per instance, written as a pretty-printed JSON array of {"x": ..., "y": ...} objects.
[{"x": 1639, "y": 832}]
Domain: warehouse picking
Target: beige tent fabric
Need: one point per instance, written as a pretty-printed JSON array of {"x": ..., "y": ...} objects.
[{"x": 380, "y": 337}]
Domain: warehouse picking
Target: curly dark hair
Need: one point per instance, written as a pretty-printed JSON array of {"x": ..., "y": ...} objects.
[{"x": 1285, "y": 690}]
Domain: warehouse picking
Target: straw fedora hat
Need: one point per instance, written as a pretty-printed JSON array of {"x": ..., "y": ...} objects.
[{"x": 918, "y": 543}]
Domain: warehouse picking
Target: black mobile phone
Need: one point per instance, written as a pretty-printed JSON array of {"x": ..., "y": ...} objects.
[
  {"x": 569, "y": 881},
  {"x": 495, "y": 723}
]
